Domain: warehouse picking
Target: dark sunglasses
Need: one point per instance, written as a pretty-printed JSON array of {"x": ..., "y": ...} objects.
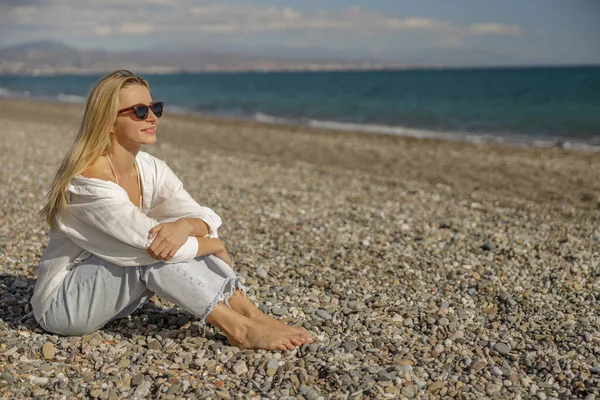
[{"x": 141, "y": 110}]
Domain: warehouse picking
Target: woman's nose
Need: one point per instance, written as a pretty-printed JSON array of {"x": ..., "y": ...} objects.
[{"x": 151, "y": 116}]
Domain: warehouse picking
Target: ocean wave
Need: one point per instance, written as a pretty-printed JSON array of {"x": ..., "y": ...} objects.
[
  {"x": 7, "y": 93},
  {"x": 70, "y": 98},
  {"x": 509, "y": 139},
  {"x": 177, "y": 109}
]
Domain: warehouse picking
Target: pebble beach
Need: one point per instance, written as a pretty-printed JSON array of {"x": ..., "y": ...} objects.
[{"x": 428, "y": 269}]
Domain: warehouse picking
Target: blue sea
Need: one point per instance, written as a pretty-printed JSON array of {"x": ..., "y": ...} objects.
[{"x": 529, "y": 106}]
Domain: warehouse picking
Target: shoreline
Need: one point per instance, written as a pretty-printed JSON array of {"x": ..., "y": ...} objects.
[
  {"x": 553, "y": 176},
  {"x": 520, "y": 140}
]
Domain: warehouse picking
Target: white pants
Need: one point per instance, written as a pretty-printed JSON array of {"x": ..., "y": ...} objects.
[{"x": 96, "y": 291}]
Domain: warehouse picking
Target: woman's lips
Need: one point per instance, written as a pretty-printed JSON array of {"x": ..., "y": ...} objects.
[{"x": 150, "y": 130}]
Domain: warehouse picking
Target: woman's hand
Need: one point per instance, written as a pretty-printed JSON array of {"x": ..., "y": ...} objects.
[{"x": 168, "y": 238}]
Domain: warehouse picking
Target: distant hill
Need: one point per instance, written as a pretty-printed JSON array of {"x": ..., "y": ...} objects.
[{"x": 49, "y": 57}]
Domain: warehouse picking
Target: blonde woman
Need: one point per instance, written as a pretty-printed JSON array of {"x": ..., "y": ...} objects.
[{"x": 123, "y": 228}]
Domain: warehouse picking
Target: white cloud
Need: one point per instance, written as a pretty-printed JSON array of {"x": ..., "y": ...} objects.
[
  {"x": 139, "y": 28},
  {"x": 88, "y": 18},
  {"x": 495, "y": 29}
]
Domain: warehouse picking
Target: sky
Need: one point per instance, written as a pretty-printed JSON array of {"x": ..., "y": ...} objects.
[{"x": 531, "y": 31}]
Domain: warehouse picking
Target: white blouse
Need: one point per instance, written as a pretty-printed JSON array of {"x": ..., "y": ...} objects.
[{"x": 100, "y": 219}]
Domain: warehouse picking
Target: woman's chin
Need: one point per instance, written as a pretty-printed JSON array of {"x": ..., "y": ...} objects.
[{"x": 150, "y": 139}]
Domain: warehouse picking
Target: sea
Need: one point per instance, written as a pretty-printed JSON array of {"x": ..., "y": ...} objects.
[{"x": 533, "y": 106}]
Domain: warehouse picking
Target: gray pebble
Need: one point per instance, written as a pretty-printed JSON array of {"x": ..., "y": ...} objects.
[
  {"x": 7, "y": 376},
  {"x": 260, "y": 271},
  {"x": 272, "y": 367},
  {"x": 240, "y": 368},
  {"x": 142, "y": 391},
  {"x": 502, "y": 348},
  {"x": 278, "y": 311},
  {"x": 323, "y": 314},
  {"x": 312, "y": 395},
  {"x": 408, "y": 391},
  {"x": 492, "y": 388},
  {"x": 350, "y": 345}
]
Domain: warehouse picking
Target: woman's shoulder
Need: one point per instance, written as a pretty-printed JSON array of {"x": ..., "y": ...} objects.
[{"x": 99, "y": 170}]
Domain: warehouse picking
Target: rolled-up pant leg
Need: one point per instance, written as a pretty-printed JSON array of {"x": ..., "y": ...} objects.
[
  {"x": 97, "y": 291},
  {"x": 196, "y": 285}
]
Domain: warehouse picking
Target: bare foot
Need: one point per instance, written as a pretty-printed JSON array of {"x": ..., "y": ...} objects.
[
  {"x": 242, "y": 304},
  {"x": 305, "y": 335},
  {"x": 264, "y": 336}
]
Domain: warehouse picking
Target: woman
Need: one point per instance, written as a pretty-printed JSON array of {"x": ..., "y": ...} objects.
[{"x": 123, "y": 228}]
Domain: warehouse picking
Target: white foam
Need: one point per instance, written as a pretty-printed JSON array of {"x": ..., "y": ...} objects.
[
  {"x": 176, "y": 109},
  {"x": 482, "y": 137},
  {"x": 261, "y": 117},
  {"x": 70, "y": 98},
  {"x": 14, "y": 94}
]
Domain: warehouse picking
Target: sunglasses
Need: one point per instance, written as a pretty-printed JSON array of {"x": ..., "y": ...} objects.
[{"x": 141, "y": 110}]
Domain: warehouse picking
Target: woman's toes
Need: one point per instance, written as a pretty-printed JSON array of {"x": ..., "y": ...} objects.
[{"x": 291, "y": 346}]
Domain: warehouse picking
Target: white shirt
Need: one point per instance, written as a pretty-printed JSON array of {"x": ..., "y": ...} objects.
[{"x": 100, "y": 219}]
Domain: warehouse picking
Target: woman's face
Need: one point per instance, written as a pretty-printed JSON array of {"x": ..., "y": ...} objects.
[{"x": 129, "y": 129}]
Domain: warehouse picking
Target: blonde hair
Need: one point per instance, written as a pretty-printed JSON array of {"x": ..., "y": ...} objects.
[{"x": 93, "y": 139}]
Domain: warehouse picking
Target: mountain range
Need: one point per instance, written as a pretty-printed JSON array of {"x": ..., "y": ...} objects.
[{"x": 50, "y": 57}]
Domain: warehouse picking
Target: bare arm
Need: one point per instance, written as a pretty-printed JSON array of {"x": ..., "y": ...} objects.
[
  {"x": 197, "y": 227},
  {"x": 208, "y": 246}
]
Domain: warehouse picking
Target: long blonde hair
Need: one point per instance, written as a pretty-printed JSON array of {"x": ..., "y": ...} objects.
[{"x": 93, "y": 139}]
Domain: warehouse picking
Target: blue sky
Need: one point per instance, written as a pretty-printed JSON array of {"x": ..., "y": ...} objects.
[{"x": 528, "y": 31}]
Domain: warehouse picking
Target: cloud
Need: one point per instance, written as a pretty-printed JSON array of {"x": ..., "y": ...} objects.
[
  {"x": 495, "y": 29},
  {"x": 204, "y": 18},
  {"x": 136, "y": 28}
]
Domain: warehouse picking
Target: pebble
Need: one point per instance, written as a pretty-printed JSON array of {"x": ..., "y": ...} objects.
[
  {"x": 48, "y": 350},
  {"x": 6, "y": 376},
  {"x": 240, "y": 368},
  {"x": 493, "y": 388},
  {"x": 312, "y": 395},
  {"x": 260, "y": 271},
  {"x": 272, "y": 367},
  {"x": 324, "y": 314},
  {"x": 142, "y": 391},
  {"x": 408, "y": 391},
  {"x": 435, "y": 386},
  {"x": 40, "y": 380},
  {"x": 350, "y": 345},
  {"x": 278, "y": 311},
  {"x": 502, "y": 349},
  {"x": 154, "y": 345},
  {"x": 488, "y": 246},
  {"x": 439, "y": 298},
  {"x": 478, "y": 366}
]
